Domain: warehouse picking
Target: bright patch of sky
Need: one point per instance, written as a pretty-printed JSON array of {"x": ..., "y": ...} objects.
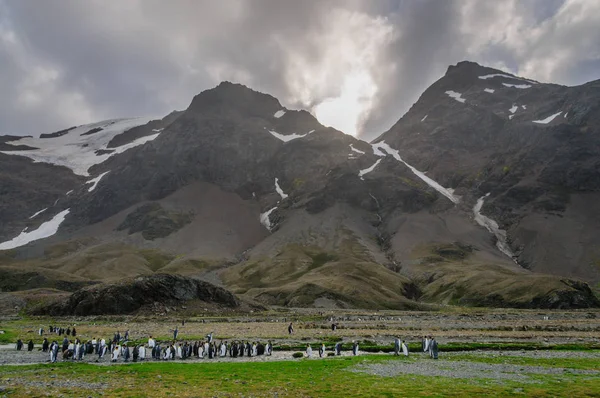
[{"x": 340, "y": 86}]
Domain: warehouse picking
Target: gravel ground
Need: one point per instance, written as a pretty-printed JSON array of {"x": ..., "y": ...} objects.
[
  {"x": 10, "y": 356},
  {"x": 466, "y": 370},
  {"x": 529, "y": 354}
]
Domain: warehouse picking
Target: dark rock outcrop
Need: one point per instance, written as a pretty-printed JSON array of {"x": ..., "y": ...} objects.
[{"x": 131, "y": 295}]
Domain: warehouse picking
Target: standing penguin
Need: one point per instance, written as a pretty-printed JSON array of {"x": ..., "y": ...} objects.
[
  {"x": 433, "y": 349},
  {"x": 308, "y": 351},
  {"x": 269, "y": 348},
  {"x": 338, "y": 348},
  {"x": 321, "y": 350},
  {"x": 397, "y": 347},
  {"x": 355, "y": 348},
  {"x": 404, "y": 349}
]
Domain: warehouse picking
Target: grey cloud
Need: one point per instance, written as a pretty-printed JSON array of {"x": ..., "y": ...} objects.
[{"x": 83, "y": 61}]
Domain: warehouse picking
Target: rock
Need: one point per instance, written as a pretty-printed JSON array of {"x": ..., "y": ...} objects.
[{"x": 132, "y": 294}]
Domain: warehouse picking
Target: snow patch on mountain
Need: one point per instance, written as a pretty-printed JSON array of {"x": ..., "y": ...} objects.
[
  {"x": 368, "y": 170},
  {"x": 70, "y": 192},
  {"x": 485, "y": 77},
  {"x": 286, "y": 138},
  {"x": 356, "y": 150},
  {"x": 78, "y": 152},
  {"x": 435, "y": 185},
  {"x": 377, "y": 151},
  {"x": 510, "y": 117},
  {"x": 95, "y": 181},
  {"x": 279, "y": 190},
  {"x": 279, "y": 114},
  {"x": 489, "y": 90},
  {"x": 456, "y": 96},
  {"x": 521, "y": 86},
  {"x": 424, "y": 117},
  {"x": 45, "y": 230},
  {"x": 38, "y": 213},
  {"x": 264, "y": 218},
  {"x": 513, "y": 109},
  {"x": 492, "y": 226},
  {"x": 524, "y": 106},
  {"x": 548, "y": 119}
]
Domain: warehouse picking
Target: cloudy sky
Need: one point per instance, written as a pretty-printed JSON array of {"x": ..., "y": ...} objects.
[{"x": 356, "y": 65}]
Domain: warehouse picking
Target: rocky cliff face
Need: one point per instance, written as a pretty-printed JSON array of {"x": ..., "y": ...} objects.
[{"x": 488, "y": 183}]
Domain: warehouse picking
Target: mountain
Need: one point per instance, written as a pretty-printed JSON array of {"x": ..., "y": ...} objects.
[{"x": 481, "y": 194}]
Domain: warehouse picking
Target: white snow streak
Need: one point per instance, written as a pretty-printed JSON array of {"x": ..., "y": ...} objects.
[
  {"x": 444, "y": 191},
  {"x": 70, "y": 192},
  {"x": 522, "y": 86},
  {"x": 456, "y": 96},
  {"x": 513, "y": 109},
  {"x": 95, "y": 181},
  {"x": 510, "y": 117},
  {"x": 158, "y": 130},
  {"x": 279, "y": 190},
  {"x": 356, "y": 150},
  {"x": 77, "y": 152},
  {"x": 286, "y": 138},
  {"x": 489, "y": 90},
  {"x": 524, "y": 106},
  {"x": 264, "y": 218},
  {"x": 492, "y": 226},
  {"x": 548, "y": 119},
  {"x": 566, "y": 114},
  {"x": 377, "y": 151},
  {"x": 38, "y": 213},
  {"x": 279, "y": 114},
  {"x": 425, "y": 117},
  {"x": 368, "y": 170},
  {"x": 45, "y": 230},
  {"x": 485, "y": 77}
]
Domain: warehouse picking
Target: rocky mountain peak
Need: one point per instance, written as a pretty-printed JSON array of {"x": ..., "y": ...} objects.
[{"x": 234, "y": 97}]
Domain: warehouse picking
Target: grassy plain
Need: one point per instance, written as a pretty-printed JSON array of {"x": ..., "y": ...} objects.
[{"x": 331, "y": 377}]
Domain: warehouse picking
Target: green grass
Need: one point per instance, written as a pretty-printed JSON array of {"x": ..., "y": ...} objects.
[
  {"x": 299, "y": 378},
  {"x": 9, "y": 336}
]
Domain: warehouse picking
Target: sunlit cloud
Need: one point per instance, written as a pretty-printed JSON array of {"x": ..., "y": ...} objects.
[{"x": 340, "y": 85}]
